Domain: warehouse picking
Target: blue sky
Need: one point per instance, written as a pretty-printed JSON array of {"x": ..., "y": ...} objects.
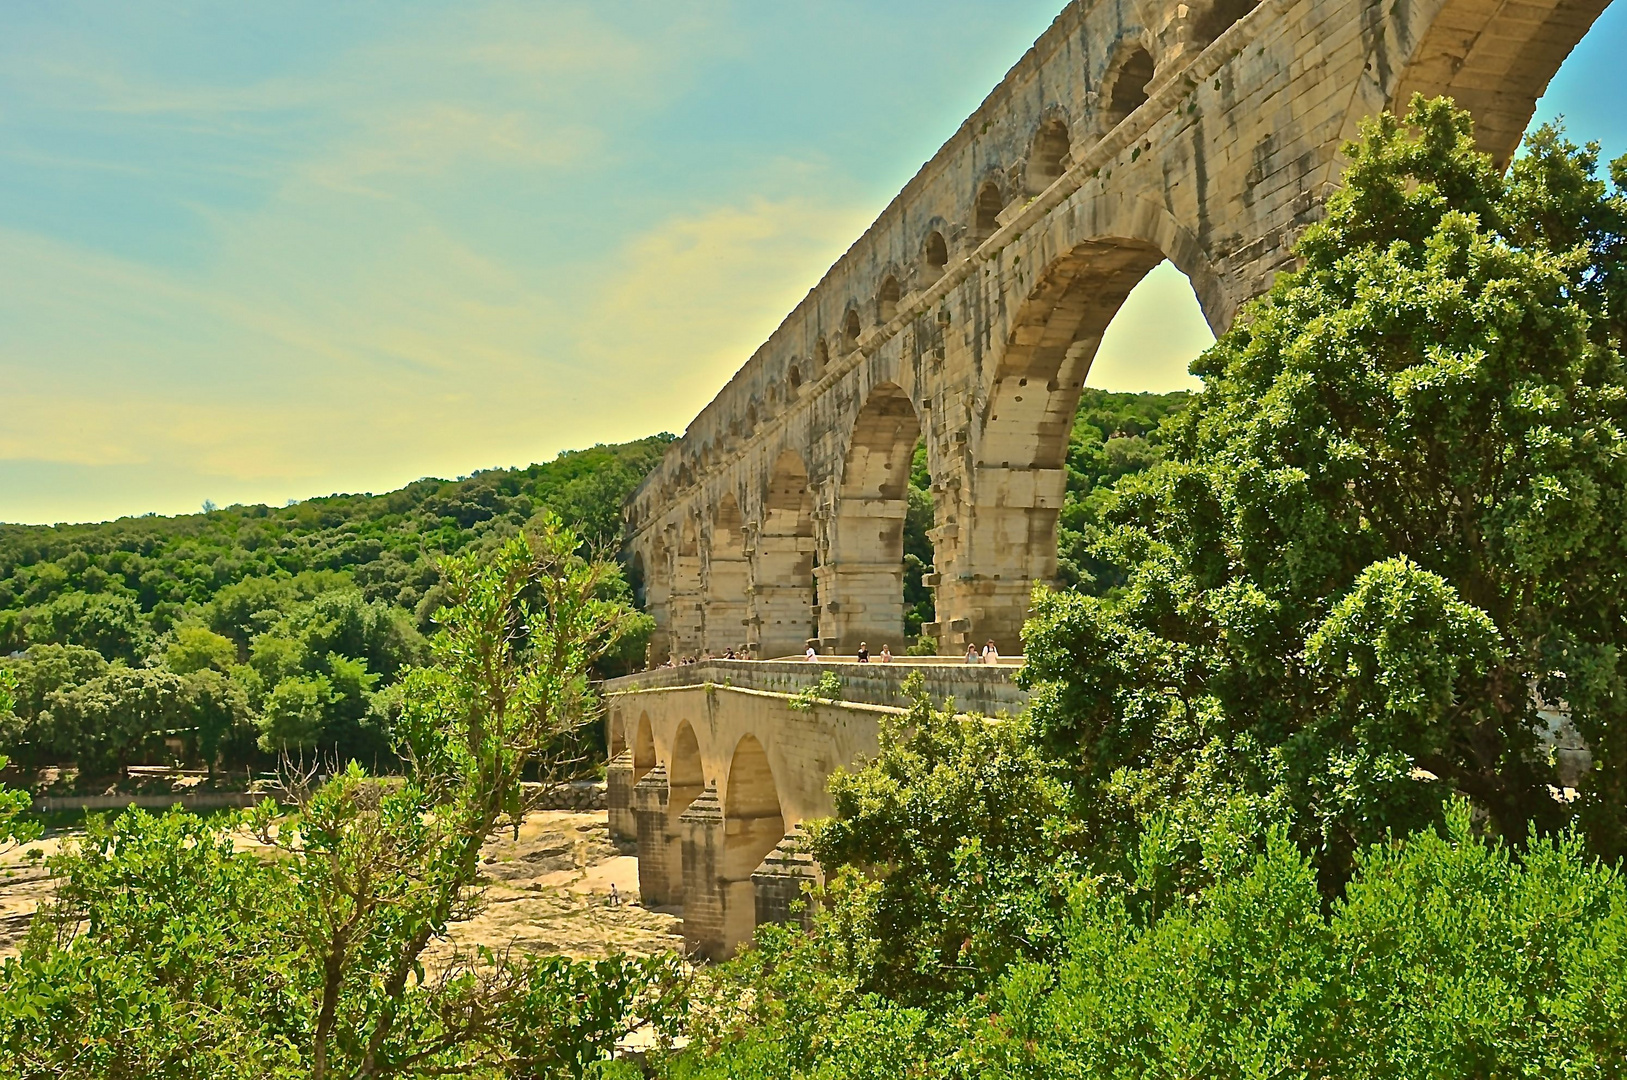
[{"x": 254, "y": 252}]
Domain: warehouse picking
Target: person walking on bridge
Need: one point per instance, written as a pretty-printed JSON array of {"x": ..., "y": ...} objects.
[{"x": 972, "y": 656}]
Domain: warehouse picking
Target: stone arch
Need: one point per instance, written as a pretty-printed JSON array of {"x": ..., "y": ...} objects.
[
  {"x": 934, "y": 256},
  {"x": 793, "y": 382},
  {"x": 862, "y": 583},
  {"x": 986, "y": 210},
  {"x": 686, "y": 780},
  {"x": 887, "y": 297},
  {"x": 686, "y": 603},
  {"x": 643, "y": 748},
  {"x": 728, "y": 578},
  {"x": 1125, "y": 87},
  {"x": 618, "y": 737},
  {"x": 755, "y": 824},
  {"x": 1494, "y": 60},
  {"x": 1047, "y": 155},
  {"x": 1008, "y": 525},
  {"x": 850, "y": 330},
  {"x": 782, "y": 590},
  {"x": 821, "y": 357}
]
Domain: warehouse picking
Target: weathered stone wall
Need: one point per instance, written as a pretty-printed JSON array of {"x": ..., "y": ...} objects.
[{"x": 969, "y": 313}]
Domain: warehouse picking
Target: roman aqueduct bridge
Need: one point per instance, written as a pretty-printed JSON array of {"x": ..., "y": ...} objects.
[
  {"x": 1207, "y": 133},
  {"x": 967, "y": 316}
]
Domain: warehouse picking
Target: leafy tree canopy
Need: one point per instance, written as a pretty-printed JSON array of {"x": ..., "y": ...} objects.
[
  {"x": 1386, "y": 534},
  {"x": 262, "y": 630}
]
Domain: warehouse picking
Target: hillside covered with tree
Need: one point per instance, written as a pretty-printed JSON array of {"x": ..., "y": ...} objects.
[{"x": 256, "y": 629}]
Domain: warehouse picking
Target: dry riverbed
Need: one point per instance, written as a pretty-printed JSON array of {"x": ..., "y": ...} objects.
[{"x": 549, "y": 892}]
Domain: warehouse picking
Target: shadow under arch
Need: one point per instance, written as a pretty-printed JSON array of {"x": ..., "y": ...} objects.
[
  {"x": 655, "y": 599},
  {"x": 782, "y": 592},
  {"x": 754, "y": 825},
  {"x": 861, "y": 585},
  {"x": 643, "y": 748},
  {"x": 686, "y": 779}
]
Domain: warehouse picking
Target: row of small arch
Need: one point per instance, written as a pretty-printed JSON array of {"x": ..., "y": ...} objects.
[
  {"x": 1123, "y": 89},
  {"x": 750, "y": 792},
  {"x": 1048, "y": 159}
]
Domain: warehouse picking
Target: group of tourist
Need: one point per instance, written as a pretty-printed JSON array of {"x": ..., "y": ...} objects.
[
  {"x": 742, "y": 653},
  {"x": 989, "y": 655}
]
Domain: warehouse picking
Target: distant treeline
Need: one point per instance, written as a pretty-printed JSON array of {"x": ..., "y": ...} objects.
[
  {"x": 226, "y": 636},
  {"x": 223, "y": 638}
]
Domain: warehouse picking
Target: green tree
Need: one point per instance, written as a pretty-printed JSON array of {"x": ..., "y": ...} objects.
[
  {"x": 221, "y": 718},
  {"x": 196, "y": 648},
  {"x": 13, "y": 804},
  {"x": 121, "y": 717},
  {"x": 110, "y": 624},
  {"x": 1384, "y": 535},
  {"x": 168, "y": 952},
  {"x": 1113, "y": 436},
  {"x": 295, "y": 714},
  {"x": 945, "y": 855}
]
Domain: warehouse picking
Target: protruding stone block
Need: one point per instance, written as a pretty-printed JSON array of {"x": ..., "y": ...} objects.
[
  {"x": 619, "y": 797},
  {"x": 702, "y": 830},
  {"x": 781, "y": 883},
  {"x": 654, "y": 847}
]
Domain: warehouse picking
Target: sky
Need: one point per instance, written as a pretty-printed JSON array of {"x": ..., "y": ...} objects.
[{"x": 258, "y": 252}]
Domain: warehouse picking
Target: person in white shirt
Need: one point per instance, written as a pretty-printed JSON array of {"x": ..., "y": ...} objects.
[
  {"x": 991, "y": 655},
  {"x": 886, "y": 656},
  {"x": 811, "y": 655}
]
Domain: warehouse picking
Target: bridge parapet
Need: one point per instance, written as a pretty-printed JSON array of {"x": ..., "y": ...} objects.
[{"x": 990, "y": 690}]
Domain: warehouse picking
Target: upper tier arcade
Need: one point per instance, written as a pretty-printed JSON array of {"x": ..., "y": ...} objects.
[{"x": 1206, "y": 133}]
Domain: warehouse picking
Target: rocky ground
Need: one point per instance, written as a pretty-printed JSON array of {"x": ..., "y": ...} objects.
[{"x": 550, "y": 891}]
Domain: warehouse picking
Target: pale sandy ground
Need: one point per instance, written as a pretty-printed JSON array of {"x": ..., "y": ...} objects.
[{"x": 549, "y": 893}]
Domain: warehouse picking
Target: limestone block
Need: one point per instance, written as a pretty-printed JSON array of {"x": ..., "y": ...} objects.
[
  {"x": 782, "y": 882},
  {"x": 619, "y": 796},
  {"x": 654, "y": 848},
  {"x": 702, "y": 830}
]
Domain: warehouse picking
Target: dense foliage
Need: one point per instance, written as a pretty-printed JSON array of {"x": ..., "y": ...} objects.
[
  {"x": 251, "y": 629},
  {"x": 169, "y": 952},
  {"x": 1284, "y": 803},
  {"x": 1113, "y": 435},
  {"x": 1388, "y": 531},
  {"x": 1446, "y": 957}
]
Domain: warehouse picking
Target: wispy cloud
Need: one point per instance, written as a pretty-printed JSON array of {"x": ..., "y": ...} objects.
[{"x": 693, "y": 298}]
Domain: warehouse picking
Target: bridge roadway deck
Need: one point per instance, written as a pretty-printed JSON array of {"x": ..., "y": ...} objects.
[
  {"x": 714, "y": 766},
  {"x": 991, "y": 690}
]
